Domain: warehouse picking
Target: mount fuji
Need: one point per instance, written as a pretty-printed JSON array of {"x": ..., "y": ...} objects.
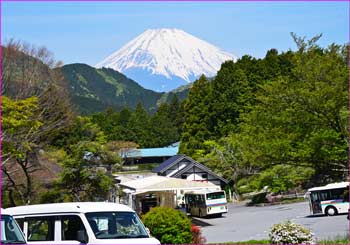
[{"x": 164, "y": 59}]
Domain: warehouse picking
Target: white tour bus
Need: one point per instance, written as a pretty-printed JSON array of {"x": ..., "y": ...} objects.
[
  {"x": 204, "y": 203},
  {"x": 330, "y": 199},
  {"x": 10, "y": 231},
  {"x": 81, "y": 222}
]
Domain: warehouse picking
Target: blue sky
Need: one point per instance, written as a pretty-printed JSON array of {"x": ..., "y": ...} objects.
[{"x": 86, "y": 32}]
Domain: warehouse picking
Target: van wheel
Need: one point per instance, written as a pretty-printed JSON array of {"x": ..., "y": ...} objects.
[{"x": 330, "y": 211}]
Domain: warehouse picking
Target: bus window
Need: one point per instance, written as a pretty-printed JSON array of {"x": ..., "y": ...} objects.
[{"x": 215, "y": 195}]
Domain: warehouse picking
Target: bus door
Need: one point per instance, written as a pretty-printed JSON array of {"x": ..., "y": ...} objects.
[{"x": 315, "y": 203}]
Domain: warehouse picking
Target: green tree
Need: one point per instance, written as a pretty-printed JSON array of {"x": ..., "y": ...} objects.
[
  {"x": 300, "y": 120},
  {"x": 231, "y": 92},
  {"x": 82, "y": 129},
  {"x": 19, "y": 122},
  {"x": 35, "y": 96},
  {"x": 176, "y": 113},
  {"x": 163, "y": 129},
  {"x": 197, "y": 125},
  {"x": 227, "y": 158},
  {"x": 281, "y": 178},
  {"x": 81, "y": 178},
  {"x": 139, "y": 125}
]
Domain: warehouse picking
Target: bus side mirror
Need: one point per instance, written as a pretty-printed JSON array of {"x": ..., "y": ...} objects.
[
  {"x": 82, "y": 236},
  {"x": 148, "y": 231}
]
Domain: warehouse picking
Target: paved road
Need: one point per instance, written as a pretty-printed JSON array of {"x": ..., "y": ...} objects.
[{"x": 245, "y": 223}]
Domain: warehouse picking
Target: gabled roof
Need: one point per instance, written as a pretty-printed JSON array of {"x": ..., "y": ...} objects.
[
  {"x": 200, "y": 166},
  {"x": 177, "y": 158},
  {"x": 168, "y": 163}
]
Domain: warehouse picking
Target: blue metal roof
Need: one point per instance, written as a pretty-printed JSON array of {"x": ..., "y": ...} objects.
[
  {"x": 153, "y": 152},
  {"x": 166, "y": 163}
]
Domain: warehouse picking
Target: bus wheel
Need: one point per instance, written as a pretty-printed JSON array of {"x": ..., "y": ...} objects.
[{"x": 330, "y": 211}]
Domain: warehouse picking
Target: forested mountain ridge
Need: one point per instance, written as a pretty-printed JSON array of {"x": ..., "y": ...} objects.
[{"x": 93, "y": 90}]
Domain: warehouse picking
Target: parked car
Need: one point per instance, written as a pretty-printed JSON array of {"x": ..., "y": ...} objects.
[
  {"x": 81, "y": 222},
  {"x": 10, "y": 231}
]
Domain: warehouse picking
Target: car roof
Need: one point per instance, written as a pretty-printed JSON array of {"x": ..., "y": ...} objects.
[
  {"x": 72, "y": 207},
  {"x": 3, "y": 212}
]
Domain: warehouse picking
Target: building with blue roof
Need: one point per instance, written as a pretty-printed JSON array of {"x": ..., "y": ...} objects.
[{"x": 151, "y": 155}]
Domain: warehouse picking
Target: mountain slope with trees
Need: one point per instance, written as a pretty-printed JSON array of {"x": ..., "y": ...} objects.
[{"x": 94, "y": 90}]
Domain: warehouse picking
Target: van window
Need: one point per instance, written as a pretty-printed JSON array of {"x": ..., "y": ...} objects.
[
  {"x": 71, "y": 224},
  {"x": 114, "y": 225},
  {"x": 41, "y": 228},
  {"x": 10, "y": 232},
  {"x": 20, "y": 222}
]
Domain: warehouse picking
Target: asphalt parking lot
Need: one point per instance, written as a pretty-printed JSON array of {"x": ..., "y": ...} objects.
[{"x": 243, "y": 223}]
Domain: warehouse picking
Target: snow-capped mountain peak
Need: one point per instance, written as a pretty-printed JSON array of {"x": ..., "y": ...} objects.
[{"x": 169, "y": 53}]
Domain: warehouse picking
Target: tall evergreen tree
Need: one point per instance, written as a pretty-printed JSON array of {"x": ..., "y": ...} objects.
[{"x": 197, "y": 125}]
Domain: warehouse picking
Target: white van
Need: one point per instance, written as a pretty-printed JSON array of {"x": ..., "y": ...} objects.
[
  {"x": 10, "y": 232},
  {"x": 81, "y": 222}
]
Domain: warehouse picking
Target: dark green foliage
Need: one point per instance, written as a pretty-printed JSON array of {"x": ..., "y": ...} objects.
[
  {"x": 164, "y": 130},
  {"x": 213, "y": 109},
  {"x": 169, "y": 226},
  {"x": 157, "y": 130},
  {"x": 197, "y": 125},
  {"x": 259, "y": 198}
]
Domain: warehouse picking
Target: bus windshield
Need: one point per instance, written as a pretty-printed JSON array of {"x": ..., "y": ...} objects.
[
  {"x": 215, "y": 195},
  {"x": 10, "y": 232}
]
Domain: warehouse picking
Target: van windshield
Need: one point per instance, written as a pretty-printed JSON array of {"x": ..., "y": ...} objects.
[
  {"x": 116, "y": 225},
  {"x": 10, "y": 232}
]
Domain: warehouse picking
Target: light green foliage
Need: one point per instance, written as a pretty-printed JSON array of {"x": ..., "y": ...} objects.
[
  {"x": 19, "y": 121},
  {"x": 290, "y": 233},
  {"x": 281, "y": 178},
  {"x": 226, "y": 158},
  {"x": 300, "y": 120},
  {"x": 169, "y": 226}
]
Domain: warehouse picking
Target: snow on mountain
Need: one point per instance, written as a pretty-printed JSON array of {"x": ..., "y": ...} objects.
[{"x": 163, "y": 59}]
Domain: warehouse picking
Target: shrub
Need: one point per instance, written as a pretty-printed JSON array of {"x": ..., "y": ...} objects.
[
  {"x": 290, "y": 233},
  {"x": 259, "y": 198},
  {"x": 197, "y": 237},
  {"x": 168, "y": 225}
]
